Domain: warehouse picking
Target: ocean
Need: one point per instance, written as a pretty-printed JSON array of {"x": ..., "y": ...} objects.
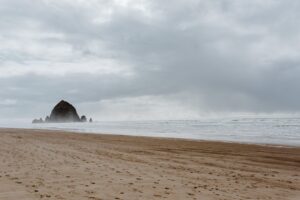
[{"x": 277, "y": 131}]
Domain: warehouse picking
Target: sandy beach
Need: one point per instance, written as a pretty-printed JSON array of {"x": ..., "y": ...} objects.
[{"x": 37, "y": 164}]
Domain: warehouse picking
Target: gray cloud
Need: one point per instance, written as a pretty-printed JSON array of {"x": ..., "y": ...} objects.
[{"x": 192, "y": 56}]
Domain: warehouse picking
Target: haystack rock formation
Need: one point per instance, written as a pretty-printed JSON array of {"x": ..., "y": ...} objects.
[{"x": 63, "y": 112}]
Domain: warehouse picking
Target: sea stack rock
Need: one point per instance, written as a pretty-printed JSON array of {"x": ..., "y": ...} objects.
[
  {"x": 37, "y": 121},
  {"x": 64, "y": 112},
  {"x": 47, "y": 119},
  {"x": 83, "y": 118}
]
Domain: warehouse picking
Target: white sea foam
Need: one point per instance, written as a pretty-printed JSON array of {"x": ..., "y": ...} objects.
[{"x": 282, "y": 131}]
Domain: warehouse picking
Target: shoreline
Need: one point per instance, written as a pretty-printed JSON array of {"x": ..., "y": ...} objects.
[
  {"x": 157, "y": 137},
  {"x": 49, "y": 164}
]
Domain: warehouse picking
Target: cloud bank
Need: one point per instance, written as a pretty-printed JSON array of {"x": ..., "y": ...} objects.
[{"x": 149, "y": 59}]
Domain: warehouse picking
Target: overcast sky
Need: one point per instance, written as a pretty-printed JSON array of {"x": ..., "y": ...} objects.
[{"x": 149, "y": 59}]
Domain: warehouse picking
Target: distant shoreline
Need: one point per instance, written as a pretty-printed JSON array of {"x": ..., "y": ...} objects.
[
  {"x": 57, "y": 129},
  {"x": 150, "y": 137}
]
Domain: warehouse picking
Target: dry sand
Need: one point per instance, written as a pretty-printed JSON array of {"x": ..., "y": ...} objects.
[{"x": 56, "y": 165}]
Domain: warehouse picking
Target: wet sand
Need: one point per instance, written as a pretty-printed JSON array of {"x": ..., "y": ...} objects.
[{"x": 37, "y": 164}]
